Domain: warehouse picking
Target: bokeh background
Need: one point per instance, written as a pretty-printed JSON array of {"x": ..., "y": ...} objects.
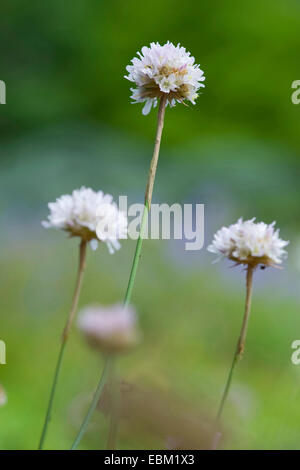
[{"x": 68, "y": 122}]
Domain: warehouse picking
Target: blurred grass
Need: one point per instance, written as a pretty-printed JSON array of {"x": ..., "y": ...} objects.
[
  {"x": 190, "y": 322},
  {"x": 67, "y": 61}
]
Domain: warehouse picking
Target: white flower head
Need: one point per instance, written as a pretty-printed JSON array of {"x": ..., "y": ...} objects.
[
  {"x": 3, "y": 396},
  {"x": 164, "y": 70},
  {"x": 247, "y": 242},
  {"x": 92, "y": 216},
  {"x": 109, "y": 329}
]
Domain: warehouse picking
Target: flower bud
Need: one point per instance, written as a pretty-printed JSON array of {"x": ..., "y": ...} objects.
[{"x": 109, "y": 329}]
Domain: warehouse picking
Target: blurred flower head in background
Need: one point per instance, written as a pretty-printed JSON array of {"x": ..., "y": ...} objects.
[
  {"x": 90, "y": 215},
  {"x": 164, "y": 70},
  {"x": 247, "y": 242},
  {"x": 3, "y": 396},
  {"x": 110, "y": 329}
]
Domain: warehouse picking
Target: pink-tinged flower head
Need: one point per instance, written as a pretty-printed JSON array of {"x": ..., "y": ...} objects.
[
  {"x": 110, "y": 329},
  {"x": 247, "y": 242},
  {"x": 91, "y": 215},
  {"x": 164, "y": 70}
]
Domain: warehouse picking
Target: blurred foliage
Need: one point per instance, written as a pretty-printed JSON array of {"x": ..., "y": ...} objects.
[
  {"x": 190, "y": 321},
  {"x": 65, "y": 60}
]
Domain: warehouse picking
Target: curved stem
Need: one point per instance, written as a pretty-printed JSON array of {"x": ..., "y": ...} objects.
[
  {"x": 65, "y": 335},
  {"x": 241, "y": 341},
  {"x": 137, "y": 254},
  {"x": 94, "y": 403}
]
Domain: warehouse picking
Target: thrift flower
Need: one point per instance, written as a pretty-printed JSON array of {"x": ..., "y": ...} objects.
[
  {"x": 164, "y": 75},
  {"x": 251, "y": 244},
  {"x": 90, "y": 215},
  {"x": 110, "y": 329},
  {"x": 247, "y": 242},
  {"x": 164, "y": 70}
]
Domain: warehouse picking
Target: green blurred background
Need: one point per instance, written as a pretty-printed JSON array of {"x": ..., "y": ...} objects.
[{"x": 68, "y": 122}]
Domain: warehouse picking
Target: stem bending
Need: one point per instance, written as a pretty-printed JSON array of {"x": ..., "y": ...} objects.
[{"x": 137, "y": 254}]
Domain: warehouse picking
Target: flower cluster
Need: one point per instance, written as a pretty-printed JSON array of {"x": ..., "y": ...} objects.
[
  {"x": 247, "y": 242},
  {"x": 164, "y": 70},
  {"x": 90, "y": 215},
  {"x": 109, "y": 329}
]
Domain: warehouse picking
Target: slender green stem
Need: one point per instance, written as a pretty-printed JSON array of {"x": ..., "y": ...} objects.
[
  {"x": 137, "y": 254},
  {"x": 148, "y": 198},
  {"x": 114, "y": 410},
  {"x": 52, "y": 393},
  {"x": 94, "y": 403},
  {"x": 241, "y": 341},
  {"x": 227, "y": 386},
  {"x": 81, "y": 268}
]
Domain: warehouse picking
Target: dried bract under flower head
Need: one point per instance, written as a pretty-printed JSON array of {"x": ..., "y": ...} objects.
[
  {"x": 164, "y": 70},
  {"x": 247, "y": 242},
  {"x": 90, "y": 215},
  {"x": 110, "y": 329}
]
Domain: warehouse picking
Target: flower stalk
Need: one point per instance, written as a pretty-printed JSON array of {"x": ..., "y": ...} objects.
[
  {"x": 241, "y": 341},
  {"x": 136, "y": 258},
  {"x": 114, "y": 411},
  {"x": 97, "y": 394},
  {"x": 154, "y": 161},
  {"x": 148, "y": 197},
  {"x": 65, "y": 335},
  {"x": 81, "y": 269}
]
